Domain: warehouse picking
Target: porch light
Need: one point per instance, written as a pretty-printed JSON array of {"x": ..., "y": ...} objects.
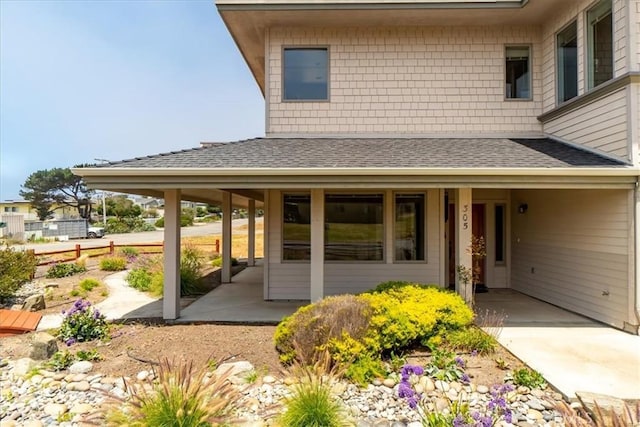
[{"x": 522, "y": 208}]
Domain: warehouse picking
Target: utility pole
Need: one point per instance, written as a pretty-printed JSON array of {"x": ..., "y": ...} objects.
[{"x": 104, "y": 197}]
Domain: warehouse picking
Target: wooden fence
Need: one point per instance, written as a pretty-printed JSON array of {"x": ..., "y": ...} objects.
[{"x": 76, "y": 252}]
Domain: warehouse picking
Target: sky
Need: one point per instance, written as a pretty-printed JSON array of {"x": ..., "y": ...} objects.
[{"x": 86, "y": 80}]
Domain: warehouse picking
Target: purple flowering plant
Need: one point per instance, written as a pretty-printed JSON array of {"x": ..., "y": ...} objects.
[
  {"x": 82, "y": 322},
  {"x": 459, "y": 414}
]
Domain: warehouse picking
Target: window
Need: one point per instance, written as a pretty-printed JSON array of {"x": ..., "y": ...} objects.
[
  {"x": 409, "y": 227},
  {"x": 518, "y": 76},
  {"x": 296, "y": 229},
  {"x": 599, "y": 44},
  {"x": 354, "y": 228},
  {"x": 567, "y": 62},
  {"x": 500, "y": 231},
  {"x": 305, "y": 74}
]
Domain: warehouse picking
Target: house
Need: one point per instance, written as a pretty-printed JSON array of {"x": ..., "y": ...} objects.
[
  {"x": 24, "y": 208},
  {"x": 396, "y": 131}
]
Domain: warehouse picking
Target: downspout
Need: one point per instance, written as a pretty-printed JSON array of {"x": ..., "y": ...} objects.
[{"x": 636, "y": 287}]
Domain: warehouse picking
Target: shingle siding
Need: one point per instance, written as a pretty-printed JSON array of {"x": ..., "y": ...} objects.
[{"x": 426, "y": 80}]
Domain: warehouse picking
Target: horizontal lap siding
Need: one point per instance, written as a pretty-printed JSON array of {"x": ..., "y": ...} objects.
[
  {"x": 600, "y": 125},
  {"x": 570, "y": 247}
]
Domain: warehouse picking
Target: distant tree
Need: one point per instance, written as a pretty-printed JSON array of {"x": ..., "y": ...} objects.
[
  {"x": 48, "y": 187},
  {"x": 121, "y": 207}
]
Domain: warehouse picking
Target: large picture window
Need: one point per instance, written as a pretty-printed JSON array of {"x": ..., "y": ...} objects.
[
  {"x": 409, "y": 227},
  {"x": 600, "y": 44},
  {"x": 567, "y": 62},
  {"x": 296, "y": 227},
  {"x": 518, "y": 75},
  {"x": 305, "y": 74},
  {"x": 354, "y": 227}
]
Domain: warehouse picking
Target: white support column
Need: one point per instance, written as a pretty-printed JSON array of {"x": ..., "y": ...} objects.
[
  {"x": 251, "y": 261},
  {"x": 226, "y": 236},
  {"x": 317, "y": 245},
  {"x": 463, "y": 242},
  {"x": 171, "y": 301}
]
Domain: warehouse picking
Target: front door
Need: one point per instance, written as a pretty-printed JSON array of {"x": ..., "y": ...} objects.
[{"x": 478, "y": 224}]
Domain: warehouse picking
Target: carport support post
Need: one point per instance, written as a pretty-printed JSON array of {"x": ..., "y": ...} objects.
[
  {"x": 171, "y": 301},
  {"x": 251, "y": 261},
  {"x": 464, "y": 260},
  {"x": 317, "y": 245},
  {"x": 226, "y": 237}
]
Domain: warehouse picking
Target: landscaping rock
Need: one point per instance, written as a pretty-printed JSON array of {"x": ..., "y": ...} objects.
[
  {"x": 23, "y": 366},
  {"x": 81, "y": 367},
  {"x": 607, "y": 404},
  {"x": 235, "y": 369},
  {"x": 43, "y": 346},
  {"x": 34, "y": 303},
  {"x": 55, "y": 409}
]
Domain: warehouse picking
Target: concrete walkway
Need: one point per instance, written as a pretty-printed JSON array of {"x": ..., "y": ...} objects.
[{"x": 572, "y": 352}]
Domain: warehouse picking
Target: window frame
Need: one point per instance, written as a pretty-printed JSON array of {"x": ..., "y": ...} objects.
[
  {"x": 385, "y": 221},
  {"x": 282, "y": 240},
  {"x": 529, "y": 47},
  {"x": 557, "y": 65},
  {"x": 283, "y": 98},
  {"x": 589, "y": 43},
  {"x": 424, "y": 226}
]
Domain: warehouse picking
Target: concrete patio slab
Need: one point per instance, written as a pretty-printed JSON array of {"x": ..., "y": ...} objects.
[
  {"x": 240, "y": 301},
  {"x": 572, "y": 352}
]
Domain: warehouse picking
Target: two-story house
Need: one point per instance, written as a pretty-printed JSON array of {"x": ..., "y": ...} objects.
[{"x": 398, "y": 130}]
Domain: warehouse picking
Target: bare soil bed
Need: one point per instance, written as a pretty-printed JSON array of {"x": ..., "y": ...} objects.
[{"x": 133, "y": 344}]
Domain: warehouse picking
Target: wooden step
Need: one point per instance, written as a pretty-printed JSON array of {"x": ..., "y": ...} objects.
[{"x": 14, "y": 322}]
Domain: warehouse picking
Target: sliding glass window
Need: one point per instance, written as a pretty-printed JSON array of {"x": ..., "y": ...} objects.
[
  {"x": 354, "y": 227},
  {"x": 296, "y": 227},
  {"x": 409, "y": 227},
  {"x": 567, "y": 62}
]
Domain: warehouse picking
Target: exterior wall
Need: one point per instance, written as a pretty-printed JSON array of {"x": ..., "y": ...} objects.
[
  {"x": 634, "y": 33},
  {"x": 291, "y": 280},
  {"x": 573, "y": 248},
  {"x": 601, "y": 125},
  {"x": 426, "y": 80}
]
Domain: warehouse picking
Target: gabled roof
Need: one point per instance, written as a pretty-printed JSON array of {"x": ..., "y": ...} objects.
[{"x": 396, "y": 153}]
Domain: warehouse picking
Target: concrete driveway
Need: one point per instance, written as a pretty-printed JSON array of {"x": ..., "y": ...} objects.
[{"x": 572, "y": 352}]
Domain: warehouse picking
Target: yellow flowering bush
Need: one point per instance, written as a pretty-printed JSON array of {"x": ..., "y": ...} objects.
[{"x": 365, "y": 327}]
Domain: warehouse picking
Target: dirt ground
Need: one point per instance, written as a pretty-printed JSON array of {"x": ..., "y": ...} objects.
[{"x": 132, "y": 344}]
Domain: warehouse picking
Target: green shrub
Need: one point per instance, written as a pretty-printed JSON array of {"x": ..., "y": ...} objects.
[
  {"x": 365, "y": 369},
  {"x": 113, "y": 263},
  {"x": 60, "y": 360},
  {"x": 185, "y": 221},
  {"x": 181, "y": 396},
  {"x": 57, "y": 271},
  {"x": 127, "y": 225},
  {"x": 90, "y": 355},
  {"x": 89, "y": 284},
  {"x": 139, "y": 279},
  {"x": 338, "y": 324},
  {"x": 311, "y": 405},
  {"x": 369, "y": 326},
  {"x": 217, "y": 262},
  {"x": 191, "y": 263},
  {"x": 129, "y": 253},
  {"x": 83, "y": 323},
  {"x": 16, "y": 269},
  {"x": 528, "y": 378},
  {"x": 470, "y": 339},
  {"x": 445, "y": 366}
]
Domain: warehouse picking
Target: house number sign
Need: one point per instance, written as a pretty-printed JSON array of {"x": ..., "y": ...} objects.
[{"x": 465, "y": 217}]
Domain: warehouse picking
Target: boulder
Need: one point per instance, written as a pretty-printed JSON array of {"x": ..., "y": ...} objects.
[
  {"x": 43, "y": 346},
  {"x": 34, "y": 303},
  {"x": 23, "y": 366},
  {"x": 81, "y": 367},
  {"x": 608, "y": 407},
  {"x": 234, "y": 369}
]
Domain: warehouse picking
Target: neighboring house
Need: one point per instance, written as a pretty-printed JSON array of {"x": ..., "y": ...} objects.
[
  {"x": 147, "y": 203},
  {"x": 396, "y": 130},
  {"x": 18, "y": 207}
]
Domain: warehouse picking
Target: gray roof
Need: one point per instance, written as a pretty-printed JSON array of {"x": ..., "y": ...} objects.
[{"x": 377, "y": 153}]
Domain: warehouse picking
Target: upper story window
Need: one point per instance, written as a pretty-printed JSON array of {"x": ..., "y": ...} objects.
[
  {"x": 518, "y": 72},
  {"x": 305, "y": 74},
  {"x": 567, "y": 62},
  {"x": 599, "y": 44}
]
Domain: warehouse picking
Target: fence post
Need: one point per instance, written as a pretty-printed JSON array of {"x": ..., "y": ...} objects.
[
  {"x": 78, "y": 250},
  {"x": 111, "y": 248},
  {"x": 32, "y": 253},
  {"x": 218, "y": 246}
]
